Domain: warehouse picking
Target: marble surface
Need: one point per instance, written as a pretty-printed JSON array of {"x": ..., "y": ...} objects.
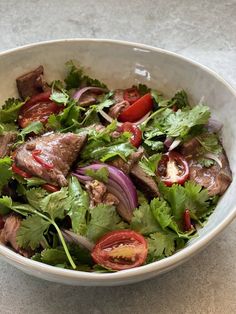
[{"x": 202, "y": 30}]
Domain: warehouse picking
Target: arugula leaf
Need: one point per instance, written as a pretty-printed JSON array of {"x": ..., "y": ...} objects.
[
  {"x": 79, "y": 204},
  {"x": 31, "y": 231},
  {"x": 104, "y": 218},
  {"x": 149, "y": 165},
  {"x": 9, "y": 111},
  {"x": 143, "y": 220},
  {"x": 56, "y": 203},
  {"x": 5, "y": 171},
  {"x": 5, "y": 205},
  {"x": 160, "y": 244},
  {"x": 101, "y": 174}
]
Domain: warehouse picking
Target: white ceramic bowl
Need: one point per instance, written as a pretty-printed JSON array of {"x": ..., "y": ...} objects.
[{"x": 121, "y": 64}]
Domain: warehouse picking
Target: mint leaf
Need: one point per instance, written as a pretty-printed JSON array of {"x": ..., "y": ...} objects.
[
  {"x": 5, "y": 171},
  {"x": 79, "y": 204},
  {"x": 101, "y": 174},
  {"x": 31, "y": 232},
  {"x": 9, "y": 111},
  {"x": 104, "y": 218},
  {"x": 143, "y": 220}
]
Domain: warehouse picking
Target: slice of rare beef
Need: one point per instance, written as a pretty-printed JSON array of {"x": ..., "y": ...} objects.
[
  {"x": 55, "y": 153},
  {"x": 215, "y": 179},
  {"x": 31, "y": 83}
]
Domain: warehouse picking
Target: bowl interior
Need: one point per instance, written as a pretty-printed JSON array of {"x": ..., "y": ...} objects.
[{"x": 121, "y": 65}]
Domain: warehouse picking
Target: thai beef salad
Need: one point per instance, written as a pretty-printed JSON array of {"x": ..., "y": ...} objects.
[{"x": 103, "y": 180}]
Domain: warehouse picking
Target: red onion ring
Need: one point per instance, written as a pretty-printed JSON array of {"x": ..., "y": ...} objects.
[{"x": 96, "y": 90}]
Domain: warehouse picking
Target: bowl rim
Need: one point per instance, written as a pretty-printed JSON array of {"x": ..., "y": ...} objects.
[{"x": 160, "y": 266}]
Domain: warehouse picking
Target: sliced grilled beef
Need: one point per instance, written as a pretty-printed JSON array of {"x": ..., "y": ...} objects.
[
  {"x": 144, "y": 183},
  {"x": 126, "y": 166},
  {"x": 6, "y": 141},
  {"x": 57, "y": 150},
  {"x": 9, "y": 232},
  {"x": 99, "y": 195},
  {"x": 116, "y": 109},
  {"x": 31, "y": 83},
  {"x": 215, "y": 179}
]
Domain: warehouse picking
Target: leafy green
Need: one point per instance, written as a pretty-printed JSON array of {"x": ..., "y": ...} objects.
[
  {"x": 55, "y": 204},
  {"x": 143, "y": 220},
  {"x": 143, "y": 89},
  {"x": 34, "y": 181},
  {"x": 104, "y": 218},
  {"x": 54, "y": 256},
  {"x": 35, "y": 127},
  {"x": 5, "y": 171},
  {"x": 160, "y": 245},
  {"x": 60, "y": 97},
  {"x": 75, "y": 78},
  {"x": 149, "y": 165},
  {"x": 180, "y": 99},
  {"x": 205, "y": 162},
  {"x": 9, "y": 111},
  {"x": 5, "y": 205},
  {"x": 154, "y": 145},
  {"x": 31, "y": 231},
  {"x": 100, "y": 174},
  {"x": 79, "y": 204},
  {"x": 35, "y": 195},
  {"x": 209, "y": 143},
  {"x": 8, "y": 127}
]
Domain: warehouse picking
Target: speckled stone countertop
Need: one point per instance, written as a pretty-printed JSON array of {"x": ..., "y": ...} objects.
[{"x": 202, "y": 30}]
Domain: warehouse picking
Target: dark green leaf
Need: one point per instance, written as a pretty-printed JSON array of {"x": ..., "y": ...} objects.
[
  {"x": 5, "y": 171},
  {"x": 9, "y": 111}
]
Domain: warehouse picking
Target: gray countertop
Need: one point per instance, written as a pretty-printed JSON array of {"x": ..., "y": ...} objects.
[{"x": 202, "y": 30}]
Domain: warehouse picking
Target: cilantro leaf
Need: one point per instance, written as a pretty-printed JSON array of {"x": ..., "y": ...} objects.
[
  {"x": 149, "y": 165},
  {"x": 54, "y": 256},
  {"x": 35, "y": 127},
  {"x": 100, "y": 174},
  {"x": 9, "y": 111},
  {"x": 35, "y": 195},
  {"x": 160, "y": 244},
  {"x": 34, "y": 181},
  {"x": 31, "y": 231},
  {"x": 5, "y": 205},
  {"x": 60, "y": 97},
  {"x": 161, "y": 211},
  {"x": 55, "y": 204},
  {"x": 154, "y": 145},
  {"x": 8, "y": 127},
  {"x": 104, "y": 218},
  {"x": 210, "y": 143},
  {"x": 79, "y": 204},
  {"x": 180, "y": 99},
  {"x": 206, "y": 162},
  {"x": 143, "y": 220},
  {"x": 5, "y": 171}
]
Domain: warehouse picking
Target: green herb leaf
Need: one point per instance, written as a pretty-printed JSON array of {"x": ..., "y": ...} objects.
[
  {"x": 100, "y": 174},
  {"x": 5, "y": 205},
  {"x": 31, "y": 232},
  {"x": 54, "y": 256},
  {"x": 34, "y": 196},
  {"x": 9, "y": 111},
  {"x": 8, "y": 127},
  {"x": 79, "y": 204},
  {"x": 160, "y": 244},
  {"x": 60, "y": 97},
  {"x": 5, "y": 171},
  {"x": 210, "y": 143},
  {"x": 149, "y": 165},
  {"x": 35, "y": 127},
  {"x": 104, "y": 218}
]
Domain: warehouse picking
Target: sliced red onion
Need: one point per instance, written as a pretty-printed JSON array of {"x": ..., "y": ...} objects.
[
  {"x": 215, "y": 158},
  {"x": 168, "y": 141},
  {"x": 118, "y": 184},
  {"x": 78, "y": 239},
  {"x": 110, "y": 119},
  {"x": 175, "y": 143},
  {"x": 214, "y": 125},
  {"x": 95, "y": 90}
]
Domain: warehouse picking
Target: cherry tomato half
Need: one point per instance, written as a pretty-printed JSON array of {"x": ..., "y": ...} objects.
[
  {"x": 37, "y": 108},
  {"x": 131, "y": 95},
  {"x": 20, "y": 172},
  {"x": 50, "y": 188},
  {"x": 121, "y": 249},
  {"x": 137, "y": 110},
  {"x": 136, "y": 138},
  {"x": 173, "y": 168}
]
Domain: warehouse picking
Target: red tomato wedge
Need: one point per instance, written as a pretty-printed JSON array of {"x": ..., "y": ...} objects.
[
  {"x": 131, "y": 95},
  {"x": 50, "y": 188},
  {"x": 120, "y": 249},
  {"x": 37, "y": 108},
  {"x": 136, "y": 138},
  {"x": 173, "y": 168},
  {"x": 137, "y": 110},
  {"x": 20, "y": 172}
]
